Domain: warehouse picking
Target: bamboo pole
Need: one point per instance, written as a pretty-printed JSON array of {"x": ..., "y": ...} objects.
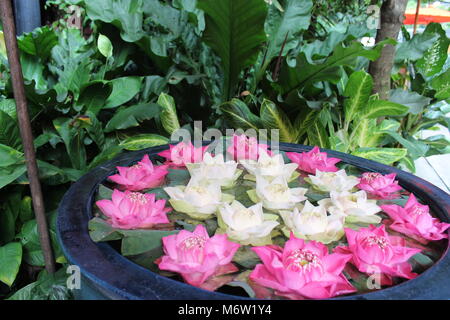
[
  {"x": 9, "y": 31},
  {"x": 416, "y": 19}
]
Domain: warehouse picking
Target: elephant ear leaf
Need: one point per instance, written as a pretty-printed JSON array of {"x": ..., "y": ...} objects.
[
  {"x": 235, "y": 31},
  {"x": 169, "y": 118},
  {"x": 442, "y": 86},
  {"x": 283, "y": 28},
  {"x": 273, "y": 117},
  {"x": 435, "y": 57},
  {"x": 330, "y": 70}
]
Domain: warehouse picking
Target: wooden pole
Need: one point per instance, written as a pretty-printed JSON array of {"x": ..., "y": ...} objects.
[
  {"x": 416, "y": 19},
  {"x": 392, "y": 15},
  {"x": 9, "y": 31}
]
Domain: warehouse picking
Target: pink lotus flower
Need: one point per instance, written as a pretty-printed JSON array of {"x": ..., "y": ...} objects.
[
  {"x": 314, "y": 160},
  {"x": 133, "y": 210},
  {"x": 375, "y": 252},
  {"x": 182, "y": 153},
  {"x": 302, "y": 270},
  {"x": 246, "y": 148},
  {"x": 197, "y": 257},
  {"x": 379, "y": 185},
  {"x": 141, "y": 176},
  {"x": 415, "y": 221}
]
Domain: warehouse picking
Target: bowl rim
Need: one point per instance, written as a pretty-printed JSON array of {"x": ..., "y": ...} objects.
[{"x": 75, "y": 211}]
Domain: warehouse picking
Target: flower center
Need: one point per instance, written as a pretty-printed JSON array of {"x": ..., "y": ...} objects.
[
  {"x": 245, "y": 218},
  {"x": 318, "y": 156},
  {"x": 193, "y": 242},
  {"x": 302, "y": 260},
  {"x": 370, "y": 176},
  {"x": 138, "y": 197},
  {"x": 199, "y": 190},
  {"x": 381, "y": 242},
  {"x": 419, "y": 210},
  {"x": 277, "y": 188},
  {"x": 136, "y": 166}
]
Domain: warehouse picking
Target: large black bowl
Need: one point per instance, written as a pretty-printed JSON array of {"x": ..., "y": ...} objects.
[{"x": 108, "y": 275}]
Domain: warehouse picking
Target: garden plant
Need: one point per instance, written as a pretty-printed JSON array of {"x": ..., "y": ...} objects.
[{"x": 134, "y": 72}]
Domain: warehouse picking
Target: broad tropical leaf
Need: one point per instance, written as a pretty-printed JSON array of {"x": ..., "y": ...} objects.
[
  {"x": 124, "y": 14},
  {"x": 435, "y": 57},
  {"x": 273, "y": 117},
  {"x": 416, "y": 149},
  {"x": 105, "y": 46},
  {"x": 283, "y": 28},
  {"x": 40, "y": 42},
  {"x": 317, "y": 135},
  {"x": 11, "y": 173},
  {"x": 9, "y": 131},
  {"x": 366, "y": 135},
  {"x": 415, "y": 48},
  {"x": 143, "y": 141},
  {"x": 168, "y": 116},
  {"x": 330, "y": 70},
  {"x": 304, "y": 122},
  {"x": 10, "y": 156},
  {"x": 380, "y": 108},
  {"x": 235, "y": 31},
  {"x": 359, "y": 88},
  {"x": 10, "y": 260},
  {"x": 411, "y": 99},
  {"x": 442, "y": 86},
  {"x": 239, "y": 115},
  {"x": 383, "y": 155},
  {"x": 8, "y": 106},
  {"x": 123, "y": 90},
  {"x": 128, "y": 117},
  {"x": 73, "y": 138},
  {"x": 93, "y": 96}
]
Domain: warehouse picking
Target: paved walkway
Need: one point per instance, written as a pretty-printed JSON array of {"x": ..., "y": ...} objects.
[{"x": 435, "y": 169}]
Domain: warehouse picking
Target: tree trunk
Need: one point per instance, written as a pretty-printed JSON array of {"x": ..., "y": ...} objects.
[{"x": 392, "y": 15}]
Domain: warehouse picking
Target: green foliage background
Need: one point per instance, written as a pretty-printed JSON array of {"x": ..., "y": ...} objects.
[{"x": 139, "y": 70}]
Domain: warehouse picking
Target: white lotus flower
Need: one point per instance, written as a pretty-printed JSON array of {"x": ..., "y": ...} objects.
[
  {"x": 333, "y": 181},
  {"x": 248, "y": 226},
  {"x": 313, "y": 223},
  {"x": 353, "y": 206},
  {"x": 276, "y": 194},
  {"x": 270, "y": 166},
  {"x": 199, "y": 199},
  {"x": 215, "y": 169}
]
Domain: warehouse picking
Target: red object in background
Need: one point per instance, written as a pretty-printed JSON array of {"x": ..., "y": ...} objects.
[{"x": 427, "y": 15}]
